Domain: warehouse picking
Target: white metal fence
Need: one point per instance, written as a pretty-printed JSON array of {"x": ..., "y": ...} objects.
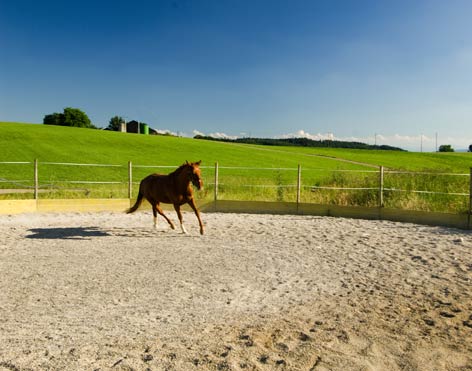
[{"x": 128, "y": 175}]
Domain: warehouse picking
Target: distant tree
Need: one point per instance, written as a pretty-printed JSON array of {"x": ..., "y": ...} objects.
[
  {"x": 115, "y": 123},
  {"x": 76, "y": 117},
  {"x": 70, "y": 117},
  {"x": 54, "y": 119},
  {"x": 470, "y": 148},
  {"x": 446, "y": 148}
]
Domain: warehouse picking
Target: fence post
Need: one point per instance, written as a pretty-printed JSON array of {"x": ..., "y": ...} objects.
[
  {"x": 381, "y": 186},
  {"x": 299, "y": 184},
  {"x": 469, "y": 221},
  {"x": 130, "y": 179},
  {"x": 36, "y": 185},
  {"x": 216, "y": 182}
]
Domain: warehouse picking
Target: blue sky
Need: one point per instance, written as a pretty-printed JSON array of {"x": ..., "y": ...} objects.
[{"x": 395, "y": 72}]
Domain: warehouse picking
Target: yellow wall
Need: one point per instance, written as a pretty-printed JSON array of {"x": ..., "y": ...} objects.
[
  {"x": 17, "y": 206},
  {"x": 259, "y": 207}
]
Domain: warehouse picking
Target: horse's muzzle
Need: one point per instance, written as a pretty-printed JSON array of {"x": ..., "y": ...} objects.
[{"x": 198, "y": 183}]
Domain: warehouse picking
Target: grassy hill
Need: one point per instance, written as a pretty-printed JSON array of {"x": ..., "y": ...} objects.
[{"x": 26, "y": 142}]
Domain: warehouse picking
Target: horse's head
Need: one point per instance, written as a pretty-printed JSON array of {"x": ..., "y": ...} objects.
[{"x": 194, "y": 174}]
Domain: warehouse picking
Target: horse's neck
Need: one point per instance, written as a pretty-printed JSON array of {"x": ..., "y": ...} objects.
[{"x": 182, "y": 184}]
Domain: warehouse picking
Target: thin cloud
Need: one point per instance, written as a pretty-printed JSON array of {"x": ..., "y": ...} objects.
[
  {"x": 216, "y": 135},
  {"x": 304, "y": 134},
  {"x": 166, "y": 132},
  {"x": 197, "y": 132}
]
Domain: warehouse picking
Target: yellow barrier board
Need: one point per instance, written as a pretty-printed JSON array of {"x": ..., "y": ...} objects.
[
  {"x": 17, "y": 206},
  {"x": 259, "y": 207},
  {"x": 82, "y": 205}
]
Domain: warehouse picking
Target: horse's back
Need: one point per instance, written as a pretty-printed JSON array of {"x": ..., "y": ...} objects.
[{"x": 155, "y": 187}]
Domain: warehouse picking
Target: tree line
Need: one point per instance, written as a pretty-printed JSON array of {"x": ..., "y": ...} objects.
[{"x": 303, "y": 142}]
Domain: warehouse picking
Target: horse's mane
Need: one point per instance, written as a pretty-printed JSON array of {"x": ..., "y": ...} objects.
[{"x": 180, "y": 169}]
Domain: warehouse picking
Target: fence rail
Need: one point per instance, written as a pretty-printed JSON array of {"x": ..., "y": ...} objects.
[
  {"x": 220, "y": 182},
  {"x": 78, "y": 164}
]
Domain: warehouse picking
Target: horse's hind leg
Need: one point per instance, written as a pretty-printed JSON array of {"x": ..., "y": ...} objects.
[
  {"x": 159, "y": 210},
  {"x": 154, "y": 213},
  {"x": 181, "y": 219}
]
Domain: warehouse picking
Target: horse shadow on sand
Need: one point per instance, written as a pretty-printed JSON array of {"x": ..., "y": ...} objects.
[
  {"x": 88, "y": 233},
  {"x": 76, "y": 233}
]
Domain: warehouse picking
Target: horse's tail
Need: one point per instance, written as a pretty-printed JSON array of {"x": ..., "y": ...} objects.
[{"x": 133, "y": 208}]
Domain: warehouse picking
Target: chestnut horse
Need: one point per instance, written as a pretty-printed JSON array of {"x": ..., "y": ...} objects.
[{"x": 174, "y": 188}]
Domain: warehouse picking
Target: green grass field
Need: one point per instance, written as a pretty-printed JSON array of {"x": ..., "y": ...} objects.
[{"x": 275, "y": 179}]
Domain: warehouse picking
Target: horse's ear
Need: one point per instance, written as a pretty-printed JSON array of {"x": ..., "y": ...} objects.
[
  {"x": 186, "y": 162},
  {"x": 198, "y": 163}
]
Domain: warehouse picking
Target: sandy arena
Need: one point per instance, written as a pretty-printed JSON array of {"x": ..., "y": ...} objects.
[{"x": 106, "y": 291}]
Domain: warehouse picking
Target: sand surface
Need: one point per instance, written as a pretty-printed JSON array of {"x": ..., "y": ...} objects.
[{"x": 106, "y": 291}]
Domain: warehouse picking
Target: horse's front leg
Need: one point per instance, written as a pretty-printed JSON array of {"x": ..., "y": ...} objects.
[
  {"x": 197, "y": 213},
  {"x": 159, "y": 210},
  {"x": 179, "y": 214}
]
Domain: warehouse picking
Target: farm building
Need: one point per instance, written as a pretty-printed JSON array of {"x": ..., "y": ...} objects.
[{"x": 134, "y": 126}]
